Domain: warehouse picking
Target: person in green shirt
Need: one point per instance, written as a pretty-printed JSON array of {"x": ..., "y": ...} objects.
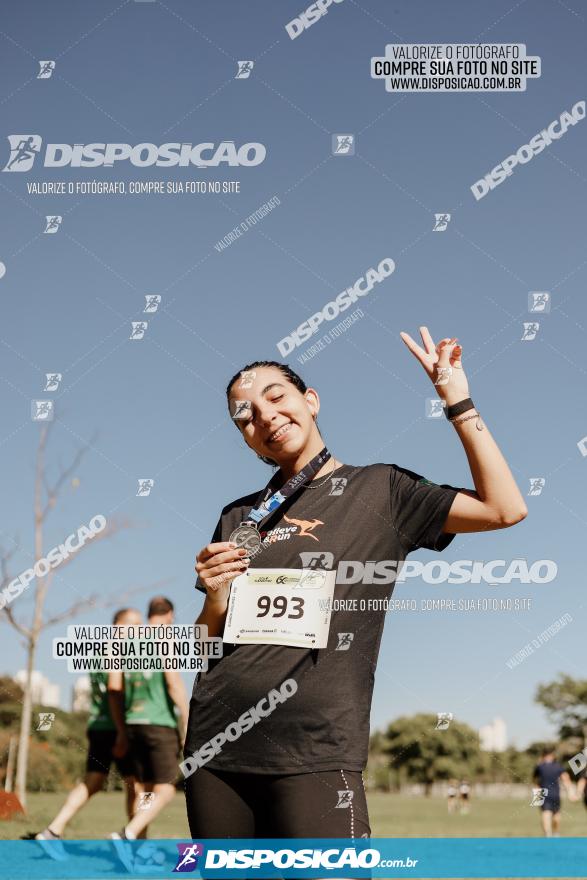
[
  {"x": 105, "y": 745},
  {"x": 143, "y": 707}
]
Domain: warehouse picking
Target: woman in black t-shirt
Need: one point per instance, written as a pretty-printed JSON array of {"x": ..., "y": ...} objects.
[{"x": 290, "y": 764}]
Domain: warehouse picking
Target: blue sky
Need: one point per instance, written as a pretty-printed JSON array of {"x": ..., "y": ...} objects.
[{"x": 160, "y": 72}]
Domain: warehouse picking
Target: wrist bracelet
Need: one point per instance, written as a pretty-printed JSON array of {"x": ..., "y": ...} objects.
[
  {"x": 457, "y": 408},
  {"x": 479, "y": 424}
]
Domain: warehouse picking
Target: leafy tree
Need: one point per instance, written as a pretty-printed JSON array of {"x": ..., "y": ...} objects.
[
  {"x": 508, "y": 766},
  {"x": 421, "y": 753},
  {"x": 10, "y": 690},
  {"x": 378, "y": 774},
  {"x": 565, "y": 701}
]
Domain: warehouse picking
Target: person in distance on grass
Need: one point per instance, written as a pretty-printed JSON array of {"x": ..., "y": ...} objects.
[
  {"x": 105, "y": 746},
  {"x": 451, "y": 796},
  {"x": 143, "y": 707},
  {"x": 547, "y": 775}
]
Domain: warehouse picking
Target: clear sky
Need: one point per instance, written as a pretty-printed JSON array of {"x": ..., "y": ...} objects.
[{"x": 154, "y": 408}]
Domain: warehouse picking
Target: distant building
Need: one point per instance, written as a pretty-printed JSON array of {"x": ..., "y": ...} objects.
[
  {"x": 43, "y": 691},
  {"x": 80, "y": 695},
  {"x": 493, "y": 737}
]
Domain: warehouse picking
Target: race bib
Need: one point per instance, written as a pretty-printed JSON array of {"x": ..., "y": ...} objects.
[{"x": 280, "y": 606}]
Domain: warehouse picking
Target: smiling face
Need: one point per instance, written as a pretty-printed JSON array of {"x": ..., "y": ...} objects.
[{"x": 279, "y": 421}]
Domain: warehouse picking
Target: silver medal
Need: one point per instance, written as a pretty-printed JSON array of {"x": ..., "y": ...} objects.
[{"x": 246, "y": 536}]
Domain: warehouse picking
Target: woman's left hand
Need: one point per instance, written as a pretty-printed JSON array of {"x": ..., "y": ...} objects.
[{"x": 442, "y": 363}]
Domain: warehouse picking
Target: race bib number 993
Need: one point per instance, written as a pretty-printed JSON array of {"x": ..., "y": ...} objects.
[{"x": 280, "y": 606}]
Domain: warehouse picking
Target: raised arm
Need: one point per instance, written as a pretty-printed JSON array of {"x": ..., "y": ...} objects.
[{"x": 496, "y": 502}]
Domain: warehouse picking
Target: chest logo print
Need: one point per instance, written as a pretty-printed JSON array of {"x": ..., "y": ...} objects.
[{"x": 306, "y": 526}]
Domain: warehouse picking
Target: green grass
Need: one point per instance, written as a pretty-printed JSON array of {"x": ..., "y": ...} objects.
[{"x": 391, "y": 816}]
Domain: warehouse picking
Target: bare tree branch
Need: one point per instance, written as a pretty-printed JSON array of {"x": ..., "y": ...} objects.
[
  {"x": 112, "y": 528},
  {"x": 73, "y": 610},
  {"x": 18, "y": 626},
  {"x": 53, "y": 491},
  {"x": 107, "y": 602},
  {"x": 5, "y": 557},
  {"x": 120, "y": 598}
]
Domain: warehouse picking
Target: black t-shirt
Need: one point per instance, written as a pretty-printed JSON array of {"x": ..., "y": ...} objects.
[{"x": 367, "y": 513}]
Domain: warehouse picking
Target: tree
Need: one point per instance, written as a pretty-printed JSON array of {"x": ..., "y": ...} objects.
[
  {"x": 510, "y": 765},
  {"x": 422, "y": 753},
  {"x": 45, "y": 500},
  {"x": 565, "y": 701},
  {"x": 378, "y": 774}
]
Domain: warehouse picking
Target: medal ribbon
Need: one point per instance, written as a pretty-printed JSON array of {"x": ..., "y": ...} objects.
[{"x": 274, "y": 502}]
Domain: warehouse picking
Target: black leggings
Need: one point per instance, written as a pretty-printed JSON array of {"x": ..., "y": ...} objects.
[{"x": 330, "y": 803}]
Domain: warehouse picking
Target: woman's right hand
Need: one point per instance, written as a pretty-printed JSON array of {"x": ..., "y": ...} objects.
[{"x": 217, "y": 566}]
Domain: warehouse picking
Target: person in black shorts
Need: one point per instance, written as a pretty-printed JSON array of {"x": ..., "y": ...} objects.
[
  {"x": 105, "y": 746},
  {"x": 547, "y": 774},
  {"x": 278, "y": 732},
  {"x": 150, "y": 723},
  {"x": 464, "y": 797}
]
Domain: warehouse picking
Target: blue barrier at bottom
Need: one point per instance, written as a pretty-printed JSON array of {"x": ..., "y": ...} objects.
[{"x": 289, "y": 858}]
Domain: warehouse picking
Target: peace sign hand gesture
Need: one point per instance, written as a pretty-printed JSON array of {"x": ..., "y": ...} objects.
[{"x": 442, "y": 363}]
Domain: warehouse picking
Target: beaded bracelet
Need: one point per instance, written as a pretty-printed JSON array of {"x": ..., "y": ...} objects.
[{"x": 479, "y": 424}]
